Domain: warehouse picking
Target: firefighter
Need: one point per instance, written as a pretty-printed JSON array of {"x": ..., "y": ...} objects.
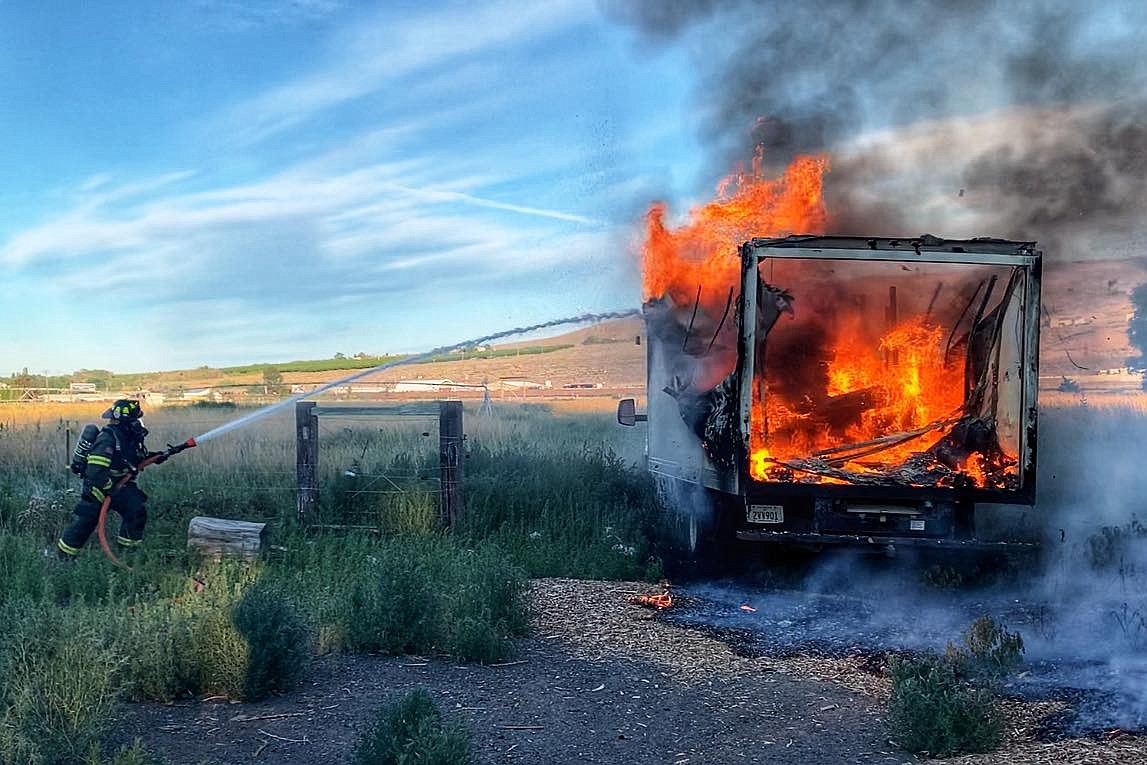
[{"x": 115, "y": 453}]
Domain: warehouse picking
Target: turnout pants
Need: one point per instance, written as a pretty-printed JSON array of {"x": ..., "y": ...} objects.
[{"x": 131, "y": 504}]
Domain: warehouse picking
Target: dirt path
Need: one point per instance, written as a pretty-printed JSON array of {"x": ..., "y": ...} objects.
[{"x": 601, "y": 681}]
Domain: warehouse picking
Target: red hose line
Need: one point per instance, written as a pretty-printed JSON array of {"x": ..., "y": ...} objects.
[{"x": 100, "y": 531}]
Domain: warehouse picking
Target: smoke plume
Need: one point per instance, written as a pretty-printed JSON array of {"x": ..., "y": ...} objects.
[{"x": 972, "y": 118}]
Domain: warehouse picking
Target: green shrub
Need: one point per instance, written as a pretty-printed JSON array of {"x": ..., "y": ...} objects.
[
  {"x": 188, "y": 643},
  {"x": 933, "y": 710},
  {"x": 217, "y": 652},
  {"x": 277, "y": 638},
  {"x": 485, "y": 607},
  {"x": 160, "y": 666},
  {"x": 574, "y": 510},
  {"x": 407, "y": 595},
  {"x": 990, "y": 650},
  {"x": 393, "y": 608},
  {"x": 412, "y": 732},
  {"x": 1111, "y": 546}
]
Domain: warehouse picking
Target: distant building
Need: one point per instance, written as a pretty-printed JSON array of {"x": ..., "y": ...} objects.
[
  {"x": 521, "y": 385},
  {"x": 85, "y": 387},
  {"x": 423, "y": 386}
]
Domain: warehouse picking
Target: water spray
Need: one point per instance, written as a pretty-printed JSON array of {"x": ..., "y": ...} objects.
[{"x": 260, "y": 413}]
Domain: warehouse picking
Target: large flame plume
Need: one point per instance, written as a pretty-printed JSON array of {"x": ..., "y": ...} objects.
[{"x": 702, "y": 252}]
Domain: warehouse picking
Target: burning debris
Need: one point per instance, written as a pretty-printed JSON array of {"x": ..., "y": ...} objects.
[{"x": 660, "y": 601}]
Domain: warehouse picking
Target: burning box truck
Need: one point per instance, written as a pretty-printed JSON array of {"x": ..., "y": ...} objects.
[{"x": 848, "y": 390}]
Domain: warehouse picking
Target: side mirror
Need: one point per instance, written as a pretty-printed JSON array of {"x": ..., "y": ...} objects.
[{"x": 627, "y": 413}]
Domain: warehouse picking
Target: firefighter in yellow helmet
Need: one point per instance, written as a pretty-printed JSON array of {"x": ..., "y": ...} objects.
[{"x": 115, "y": 453}]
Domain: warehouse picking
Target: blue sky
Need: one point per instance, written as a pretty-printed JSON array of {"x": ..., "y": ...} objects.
[{"x": 216, "y": 182}]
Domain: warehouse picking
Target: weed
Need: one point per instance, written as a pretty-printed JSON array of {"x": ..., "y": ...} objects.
[
  {"x": 133, "y": 754},
  {"x": 989, "y": 651},
  {"x": 1132, "y": 623},
  {"x": 59, "y": 691},
  {"x": 947, "y": 704},
  {"x": 218, "y": 653},
  {"x": 277, "y": 641},
  {"x": 943, "y": 577},
  {"x": 412, "y": 731},
  {"x": 422, "y": 594}
]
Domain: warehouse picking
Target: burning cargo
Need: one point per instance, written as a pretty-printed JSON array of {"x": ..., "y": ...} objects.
[{"x": 847, "y": 389}]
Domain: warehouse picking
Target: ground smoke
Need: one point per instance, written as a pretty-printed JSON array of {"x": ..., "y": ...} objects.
[{"x": 1081, "y": 608}]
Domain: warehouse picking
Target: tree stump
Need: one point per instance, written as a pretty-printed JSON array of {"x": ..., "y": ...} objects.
[{"x": 221, "y": 537}]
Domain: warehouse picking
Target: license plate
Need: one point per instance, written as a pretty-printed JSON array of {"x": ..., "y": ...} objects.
[
  {"x": 766, "y": 514},
  {"x": 915, "y": 525}
]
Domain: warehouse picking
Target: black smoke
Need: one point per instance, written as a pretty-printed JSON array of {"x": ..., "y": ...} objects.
[{"x": 984, "y": 85}]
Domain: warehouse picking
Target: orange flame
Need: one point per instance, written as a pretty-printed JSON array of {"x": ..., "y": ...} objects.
[
  {"x": 703, "y": 251},
  {"x": 906, "y": 383}
]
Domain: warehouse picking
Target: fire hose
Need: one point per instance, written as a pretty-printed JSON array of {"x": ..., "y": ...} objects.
[{"x": 157, "y": 457}]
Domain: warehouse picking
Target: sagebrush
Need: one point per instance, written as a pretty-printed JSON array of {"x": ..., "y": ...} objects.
[{"x": 412, "y": 731}]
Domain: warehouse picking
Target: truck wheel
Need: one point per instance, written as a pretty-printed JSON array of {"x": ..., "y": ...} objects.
[{"x": 710, "y": 540}]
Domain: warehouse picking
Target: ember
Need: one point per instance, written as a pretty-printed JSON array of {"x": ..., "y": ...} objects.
[{"x": 660, "y": 602}]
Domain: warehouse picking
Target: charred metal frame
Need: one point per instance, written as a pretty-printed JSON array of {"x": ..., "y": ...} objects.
[{"x": 925, "y": 249}]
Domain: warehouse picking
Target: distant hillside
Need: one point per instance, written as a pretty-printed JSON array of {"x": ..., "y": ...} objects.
[{"x": 472, "y": 365}]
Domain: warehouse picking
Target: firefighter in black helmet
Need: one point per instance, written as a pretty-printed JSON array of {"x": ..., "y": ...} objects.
[{"x": 115, "y": 453}]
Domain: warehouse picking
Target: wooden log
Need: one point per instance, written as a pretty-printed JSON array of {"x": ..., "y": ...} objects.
[{"x": 221, "y": 537}]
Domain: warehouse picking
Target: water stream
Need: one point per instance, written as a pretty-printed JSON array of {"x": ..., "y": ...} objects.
[{"x": 247, "y": 419}]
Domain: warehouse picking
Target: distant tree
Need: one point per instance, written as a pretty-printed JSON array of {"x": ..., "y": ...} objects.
[
  {"x": 1068, "y": 385},
  {"x": 272, "y": 380},
  {"x": 1137, "y": 330},
  {"x": 340, "y": 355},
  {"x": 24, "y": 379}
]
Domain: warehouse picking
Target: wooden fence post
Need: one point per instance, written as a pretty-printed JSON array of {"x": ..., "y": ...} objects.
[
  {"x": 307, "y": 457},
  {"x": 450, "y": 457}
]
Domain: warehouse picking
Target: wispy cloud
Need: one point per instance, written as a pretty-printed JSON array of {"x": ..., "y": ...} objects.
[
  {"x": 241, "y": 15},
  {"x": 386, "y": 47},
  {"x": 297, "y": 234}
]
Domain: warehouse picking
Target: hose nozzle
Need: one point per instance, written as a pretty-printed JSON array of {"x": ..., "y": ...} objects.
[{"x": 177, "y": 448}]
